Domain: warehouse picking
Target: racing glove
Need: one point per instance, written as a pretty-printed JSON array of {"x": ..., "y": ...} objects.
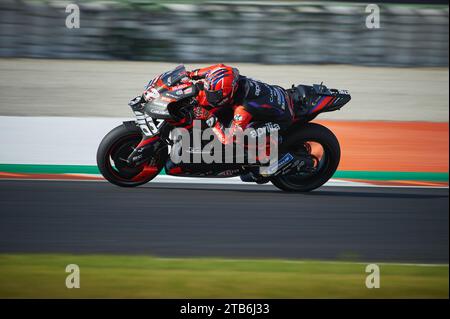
[{"x": 200, "y": 113}]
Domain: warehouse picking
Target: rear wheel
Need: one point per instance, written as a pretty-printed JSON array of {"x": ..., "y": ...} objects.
[
  {"x": 113, "y": 151},
  {"x": 322, "y": 146}
]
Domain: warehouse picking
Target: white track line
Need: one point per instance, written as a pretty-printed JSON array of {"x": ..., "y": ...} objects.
[{"x": 300, "y": 261}]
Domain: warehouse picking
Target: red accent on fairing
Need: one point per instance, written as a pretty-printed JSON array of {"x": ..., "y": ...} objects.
[
  {"x": 160, "y": 83},
  {"x": 182, "y": 121},
  {"x": 264, "y": 151},
  {"x": 227, "y": 83},
  {"x": 168, "y": 99},
  {"x": 290, "y": 104},
  {"x": 145, "y": 173},
  {"x": 204, "y": 71},
  {"x": 147, "y": 141}
]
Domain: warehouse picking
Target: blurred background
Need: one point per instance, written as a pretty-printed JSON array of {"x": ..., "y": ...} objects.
[
  {"x": 412, "y": 33},
  {"x": 398, "y": 71}
]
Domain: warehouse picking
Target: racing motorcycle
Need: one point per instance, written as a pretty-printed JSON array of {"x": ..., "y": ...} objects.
[{"x": 135, "y": 152}]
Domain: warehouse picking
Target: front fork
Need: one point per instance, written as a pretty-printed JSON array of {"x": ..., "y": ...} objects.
[{"x": 144, "y": 151}]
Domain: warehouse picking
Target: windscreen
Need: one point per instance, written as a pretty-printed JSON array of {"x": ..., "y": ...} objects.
[{"x": 173, "y": 77}]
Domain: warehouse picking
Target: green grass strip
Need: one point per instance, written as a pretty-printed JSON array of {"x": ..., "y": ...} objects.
[
  {"x": 362, "y": 175},
  {"x": 393, "y": 176},
  {"x": 103, "y": 276}
]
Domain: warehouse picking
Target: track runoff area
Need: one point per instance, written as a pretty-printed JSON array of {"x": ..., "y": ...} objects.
[{"x": 392, "y": 212}]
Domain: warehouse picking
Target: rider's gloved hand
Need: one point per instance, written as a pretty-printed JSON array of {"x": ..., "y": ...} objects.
[
  {"x": 211, "y": 121},
  {"x": 193, "y": 75}
]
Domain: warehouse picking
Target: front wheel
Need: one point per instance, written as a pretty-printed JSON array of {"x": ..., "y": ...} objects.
[
  {"x": 323, "y": 147},
  {"x": 113, "y": 151}
]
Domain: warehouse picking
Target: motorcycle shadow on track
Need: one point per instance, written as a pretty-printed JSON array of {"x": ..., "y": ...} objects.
[
  {"x": 336, "y": 192},
  {"x": 376, "y": 194},
  {"x": 135, "y": 152}
]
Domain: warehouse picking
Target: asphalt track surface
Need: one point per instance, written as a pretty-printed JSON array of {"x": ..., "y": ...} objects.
[
  {"x": 333, "y": 223},
  {"x": 72, "y": 87}
]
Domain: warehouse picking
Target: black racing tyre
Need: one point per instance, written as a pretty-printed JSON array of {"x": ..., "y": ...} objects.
[
  {"x": 114, "y": 148},
  {"x": 316, "y": 133}
]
